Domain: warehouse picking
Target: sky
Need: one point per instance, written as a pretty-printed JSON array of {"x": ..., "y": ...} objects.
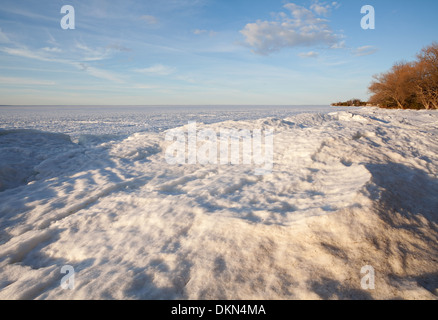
[{"x": 203, "y": 52}]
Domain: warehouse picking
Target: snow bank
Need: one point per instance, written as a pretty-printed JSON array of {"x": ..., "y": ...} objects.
[{"x": 348, "y": 189}]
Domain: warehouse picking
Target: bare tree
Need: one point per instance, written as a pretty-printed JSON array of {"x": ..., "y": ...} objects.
[
  {"x": 411, "y": 85},
  {"x": 426, "y": 82},
  {"x": 394, "y": 88}
]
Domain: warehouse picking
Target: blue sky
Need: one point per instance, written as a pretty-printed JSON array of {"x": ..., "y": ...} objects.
[{"x": 186, "y": 52}]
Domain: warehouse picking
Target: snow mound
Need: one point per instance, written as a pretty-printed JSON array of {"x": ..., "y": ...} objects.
[{"x": 347, "y": 190}]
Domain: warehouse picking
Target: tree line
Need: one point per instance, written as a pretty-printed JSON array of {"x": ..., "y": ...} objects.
[
  {"x": 350, "y": 103},
  {"x": 409, "y": 85}
]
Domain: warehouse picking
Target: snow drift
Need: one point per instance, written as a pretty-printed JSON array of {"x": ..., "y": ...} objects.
[{"x": 348, "y": 189}]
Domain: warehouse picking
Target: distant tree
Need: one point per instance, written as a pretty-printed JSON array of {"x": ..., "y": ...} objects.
[{"x": 350, "y": 103}]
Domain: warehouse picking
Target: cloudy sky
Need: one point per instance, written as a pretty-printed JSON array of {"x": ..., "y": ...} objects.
[{"x": 185, "y": 52}]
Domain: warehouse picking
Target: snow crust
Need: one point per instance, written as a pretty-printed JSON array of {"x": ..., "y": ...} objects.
[{"x": 349, "y": 188}]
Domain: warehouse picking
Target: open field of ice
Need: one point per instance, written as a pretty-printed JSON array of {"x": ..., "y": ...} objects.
[{"x": 91, "y": 188}]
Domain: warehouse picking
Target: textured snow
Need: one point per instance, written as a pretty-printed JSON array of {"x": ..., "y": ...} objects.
[{"x": 91, "y": 188}]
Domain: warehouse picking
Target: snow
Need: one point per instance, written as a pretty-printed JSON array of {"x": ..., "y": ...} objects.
[{"x": 91, "y": 188}]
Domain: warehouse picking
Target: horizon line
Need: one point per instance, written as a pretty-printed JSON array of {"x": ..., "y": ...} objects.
[{"x": 158, "y": 105}]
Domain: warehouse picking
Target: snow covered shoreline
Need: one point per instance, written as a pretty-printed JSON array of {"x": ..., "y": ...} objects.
[{"x": 348, "y": 189}]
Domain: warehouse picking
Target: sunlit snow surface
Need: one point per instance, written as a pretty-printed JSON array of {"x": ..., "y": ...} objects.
[
  {"x": 126, "y": 120},
  {"x": 90, "y": 187}
]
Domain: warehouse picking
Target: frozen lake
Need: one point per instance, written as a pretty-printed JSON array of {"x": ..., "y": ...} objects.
[{"x": 125, "y": 120}]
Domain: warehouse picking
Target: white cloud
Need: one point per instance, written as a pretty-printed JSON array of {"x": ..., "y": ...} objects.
[
  {"x": 339, "y": 45},
  {"x": 211, "y": 33},
  {"x": 311, "y": 54},
  {"x": 301, "y": 28},
  {"x": 30, "y": 14},
  {"x": 299, "y": 12},
  {"x": 149, "y": 19},
  {"x": 25, "y": 53},
  {"x": 52, "y": 41},
  {"x": 320, "y": 10},
  {"x": 324, "y": 9},
  {"x": 52, "y": 49},
  {"x": 118, "y": 47},
  {"x": 157, "y": 69},
  {"x": 25, "y": 81},
  {"x": 38, "y": 55},
  {"x": 3, "y": 37},
  {"x": 144, "y": 87},
  {"x": 364, "y": 51},
  {"x": 99, "y": 73},
  {"x": 92, "y": 54}
]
